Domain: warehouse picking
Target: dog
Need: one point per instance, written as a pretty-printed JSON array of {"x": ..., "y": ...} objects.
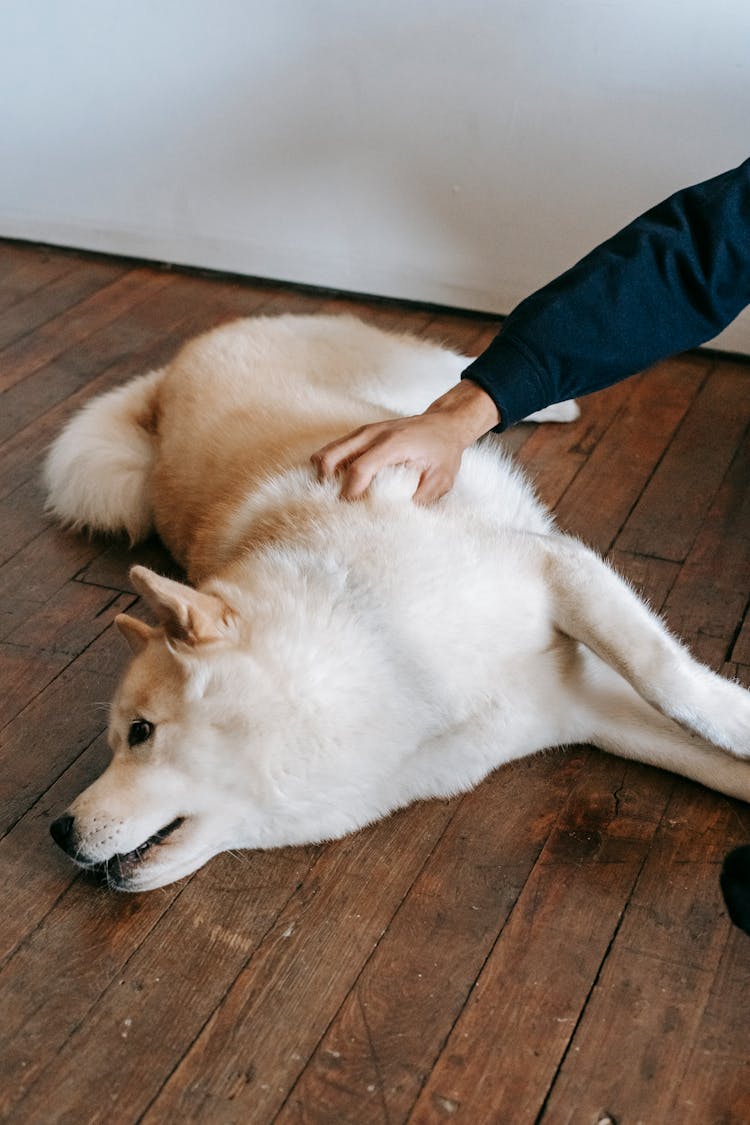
[{"x": 330, "y": 662}]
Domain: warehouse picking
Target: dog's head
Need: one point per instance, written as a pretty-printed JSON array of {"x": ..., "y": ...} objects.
[
  {"x": 179, "y": 721},
  {"x": 277, "y": 719}
]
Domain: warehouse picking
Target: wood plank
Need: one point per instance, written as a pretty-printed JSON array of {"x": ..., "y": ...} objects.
[
  {"x": 35, "y": 573},
  {"x": 21, "y": 516},
  {"x": 598, "y": 501},
  {"x": 716, "y": 1081},
  {"x": 523, "y": 1009},
  {"x": 710, "y": 595},
  {"x": 26, "y": 269},
  {"x": 109, "y": 568},
  {"x": 38, "y": 650},
  {"x": 652, "y": 579},
  {"x": 105, "y": 361},
  {"x": 715, "y": 1084},
  {"x": 145, "y": 338},
  {"x": 60, "y": 722},
  {"x": 38, "y": 871},
  {"x": 255, "y": 1037},
  {"x": 61, "y": 919},
  {"x": 373, "y": 1059},
  {"x": 137, "y": 328},
  {"x": 120, "y": 957},
  {"x": 555, "y": 454},
  {"x": 466, "y": 335},
  {"x": 71, "y": 287},
  {"x": 658, "y": 975},
  {"x": 25, "y": 356},
  {"x": 24, "y": 672},
  {"x": 15, "y": 255},
  {"x": 677, "y": 497},
  {"x": 90, "y": 936}
]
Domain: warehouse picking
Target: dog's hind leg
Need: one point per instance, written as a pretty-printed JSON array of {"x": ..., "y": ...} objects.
[
  {"x": 593, "y": 605},
  {"x": 614, "y": 717}
]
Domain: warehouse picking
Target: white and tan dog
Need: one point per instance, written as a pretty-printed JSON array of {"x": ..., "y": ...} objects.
[{"x": 339, "y": 660}]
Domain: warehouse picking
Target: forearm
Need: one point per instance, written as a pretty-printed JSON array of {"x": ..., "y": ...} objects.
[{"x": 669, "y": 281}]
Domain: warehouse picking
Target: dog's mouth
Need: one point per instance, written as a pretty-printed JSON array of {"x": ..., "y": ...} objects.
[{"x": 118, "y": 868}]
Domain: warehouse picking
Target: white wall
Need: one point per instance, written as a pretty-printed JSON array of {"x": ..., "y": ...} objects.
[{"x": 458, "y": 151}]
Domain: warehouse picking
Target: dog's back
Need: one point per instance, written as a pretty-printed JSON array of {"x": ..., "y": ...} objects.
[{"x": 184, "y": 450}]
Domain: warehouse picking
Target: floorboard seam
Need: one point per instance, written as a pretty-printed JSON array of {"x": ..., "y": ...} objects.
[
  {"x": 178, "y": 1062},
  {"x": 33, "y": 292},
  {"x": 4, "y": 832},
  {"x": 655, "y": 467},
  {"x": 60, "y": 312},
  {"x": 20, "y": 945},
  {"x": 71, "y": 346},
  {"x": 366, "y": 962},
  {"x": 57, "y": 675},
  {"x": 121, "y": 969},
  {"x": 584, "y": 1007},
  {"x": 492, "y": 948}
]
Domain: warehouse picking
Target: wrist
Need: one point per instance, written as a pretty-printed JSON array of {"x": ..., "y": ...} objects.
[{"x": 471, "y": 410}]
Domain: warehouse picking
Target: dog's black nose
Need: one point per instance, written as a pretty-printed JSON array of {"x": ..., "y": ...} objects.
[{"x": 62, "y": 832}]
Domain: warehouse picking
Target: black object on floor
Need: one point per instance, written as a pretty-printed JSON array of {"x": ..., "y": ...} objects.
[{"x": 735, "y": 885}]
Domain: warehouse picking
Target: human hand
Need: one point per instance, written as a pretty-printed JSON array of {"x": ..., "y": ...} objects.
[{"x": 432, "y": 442}]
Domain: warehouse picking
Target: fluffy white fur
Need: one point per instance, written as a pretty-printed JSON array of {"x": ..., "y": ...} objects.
[{"x": 339, "y": 660}]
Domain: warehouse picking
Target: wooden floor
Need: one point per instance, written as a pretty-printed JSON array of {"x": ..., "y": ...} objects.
[{"x": 552, "y": 947}]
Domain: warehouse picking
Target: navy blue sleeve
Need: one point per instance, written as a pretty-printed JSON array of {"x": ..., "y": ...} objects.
[{"x": 670, "y": 280}]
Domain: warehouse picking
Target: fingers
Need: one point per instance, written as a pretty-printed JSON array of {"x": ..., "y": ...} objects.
[
  {"x": 360, "y": 473},
  {"x": 419, "y": 442},
  {"x": 360, "y": 455},
  {"x": 338, "y": 453}
]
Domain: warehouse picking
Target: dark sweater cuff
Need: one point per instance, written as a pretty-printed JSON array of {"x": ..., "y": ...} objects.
[{"x": 509, "y": 374}]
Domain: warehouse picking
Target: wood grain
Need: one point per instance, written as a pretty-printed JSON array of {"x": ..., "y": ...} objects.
[
  {"x": 504, "y": 1050},
  {"x": 659, "y": 974},
  {"x": 385, "y": 1038},
  {"x": 665, "y": 519}
]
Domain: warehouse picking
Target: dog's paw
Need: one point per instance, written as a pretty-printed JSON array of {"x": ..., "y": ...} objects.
[
  {"x": 566, "y": 411},
  {"x": 723, "y": 708}
]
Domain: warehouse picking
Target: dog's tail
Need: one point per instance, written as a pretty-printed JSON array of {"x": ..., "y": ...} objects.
[{"x": 98, "y": 470}]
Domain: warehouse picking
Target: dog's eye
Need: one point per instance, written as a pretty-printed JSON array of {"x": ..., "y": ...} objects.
[{"x": 140, "y": 731}]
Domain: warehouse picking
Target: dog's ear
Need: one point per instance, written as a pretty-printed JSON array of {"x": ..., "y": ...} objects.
[
  {"x": 135, "y": 632},
  {"x": 187, "y": 615}
]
